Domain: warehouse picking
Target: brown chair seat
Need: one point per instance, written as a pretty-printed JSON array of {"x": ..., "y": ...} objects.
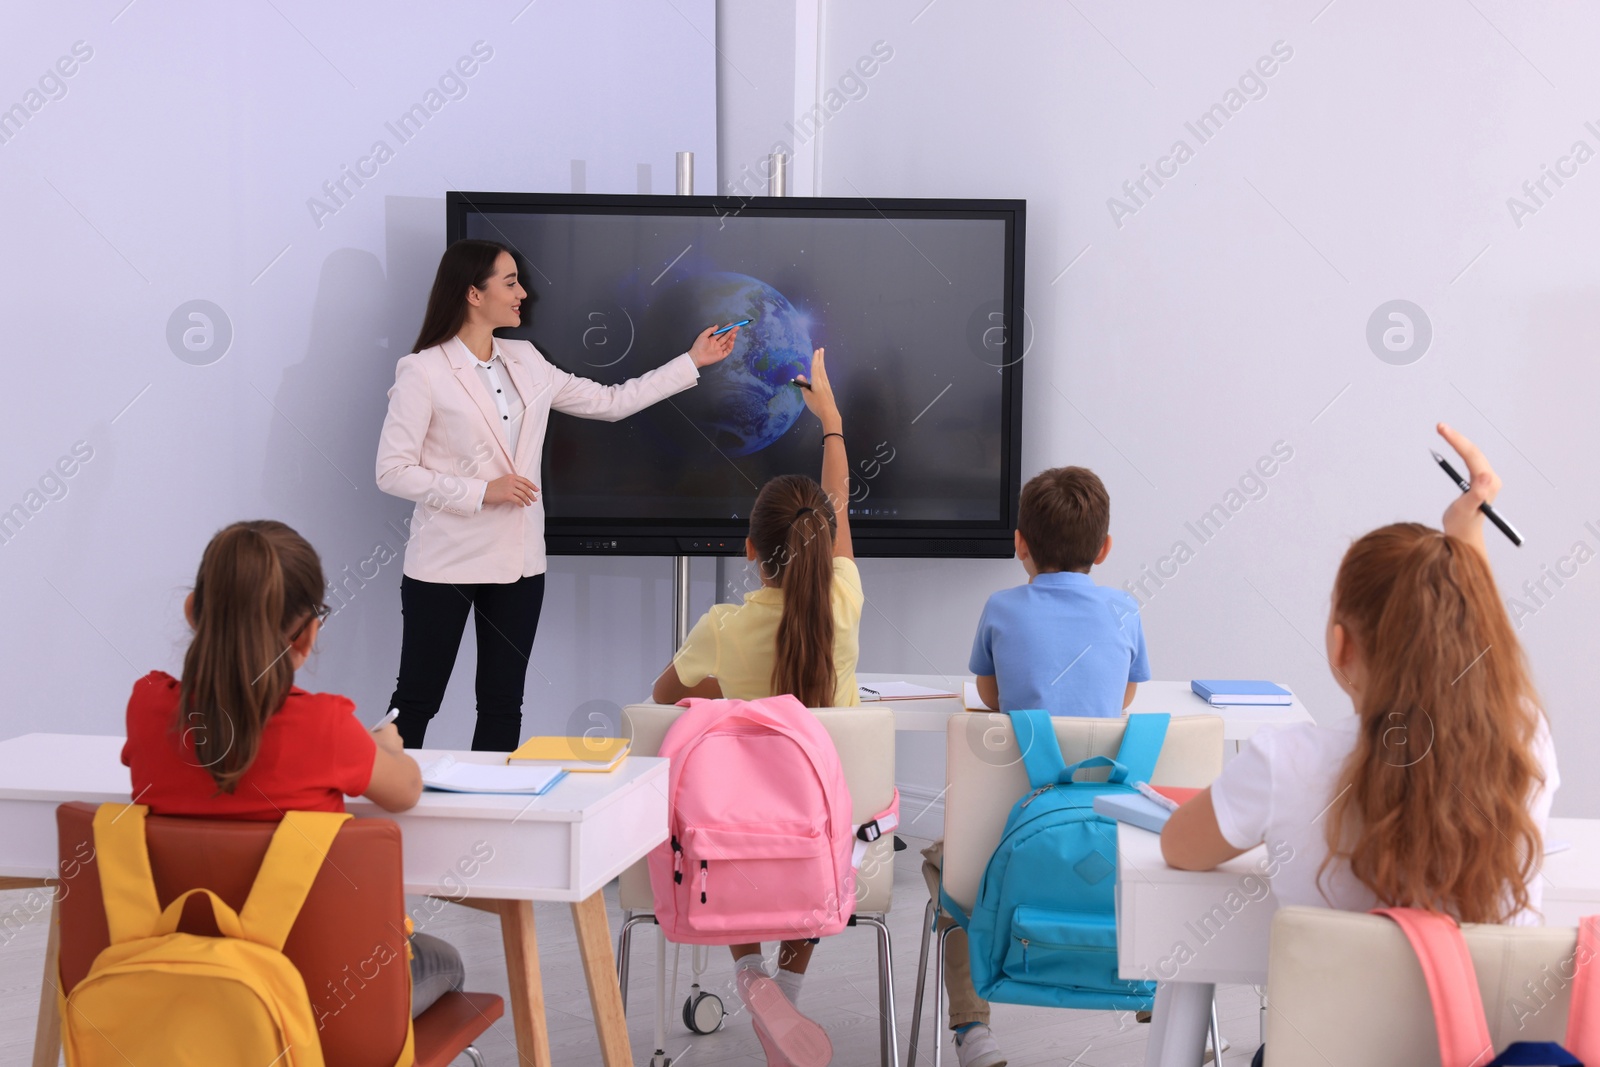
[{"x": 454, "y": 1021}]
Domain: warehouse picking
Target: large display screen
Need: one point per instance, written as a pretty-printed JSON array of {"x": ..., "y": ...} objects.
[{"x": 917, "y": 304}]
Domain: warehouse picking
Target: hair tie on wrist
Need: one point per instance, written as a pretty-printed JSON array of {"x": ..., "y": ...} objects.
[{"x": 825, "y": 436}]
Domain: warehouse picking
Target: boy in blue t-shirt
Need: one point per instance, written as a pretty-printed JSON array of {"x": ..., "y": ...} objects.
[{"x": 1061, "y": 643}]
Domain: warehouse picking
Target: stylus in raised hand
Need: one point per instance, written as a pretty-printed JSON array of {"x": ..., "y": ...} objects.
[{"x": 1487, "y": 509}]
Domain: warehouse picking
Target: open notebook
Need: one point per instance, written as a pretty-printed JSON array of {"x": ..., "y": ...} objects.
[{"x": 448, "y": 774}]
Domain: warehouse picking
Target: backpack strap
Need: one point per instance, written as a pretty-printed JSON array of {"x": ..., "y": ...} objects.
[
  {"x": 127, "y": 886},
  {"x": 299, "y": 845},
  {"x": 885, "y": 821},
  {"x": 1452, "y": 985},
  {"x": 951, "y": 908},
  {"x": 1041, "y": 752},
  {"x": 1141, "y": 744},
  {"x": 1583, "y": 1018}
]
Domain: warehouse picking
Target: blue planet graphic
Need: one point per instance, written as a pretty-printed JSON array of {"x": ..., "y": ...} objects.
[{"x": 745, "y": 403}]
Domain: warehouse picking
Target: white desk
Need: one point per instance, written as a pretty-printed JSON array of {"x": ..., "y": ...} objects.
[
  {"x": 564, "y": 846},
  {"x": 1238, "y": 723},
  {"x": 1180, "y": 927}
]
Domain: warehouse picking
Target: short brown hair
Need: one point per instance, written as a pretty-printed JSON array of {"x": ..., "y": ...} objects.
[{"x": 1064, "y": 514}]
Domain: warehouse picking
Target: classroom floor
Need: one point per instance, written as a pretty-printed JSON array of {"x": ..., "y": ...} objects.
[{"x": 840, "y": 992}]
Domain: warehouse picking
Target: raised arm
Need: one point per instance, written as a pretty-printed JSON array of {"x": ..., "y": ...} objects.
[
  {"x": 574, "y": 395},
  {"x": 1462, "y": 518},
  {"x": 835, "y": 463}
]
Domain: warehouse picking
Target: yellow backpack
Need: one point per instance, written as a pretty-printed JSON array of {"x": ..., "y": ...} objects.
[{"x": 166, "y": 999}]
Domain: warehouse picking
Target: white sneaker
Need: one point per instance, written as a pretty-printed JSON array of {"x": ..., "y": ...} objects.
[{"x": 976, "y": 1047}]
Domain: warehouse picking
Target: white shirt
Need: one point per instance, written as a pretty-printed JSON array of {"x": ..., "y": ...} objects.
[
  {"x": 507, "y": 401},
  {"x": 1279, "y": 788}
]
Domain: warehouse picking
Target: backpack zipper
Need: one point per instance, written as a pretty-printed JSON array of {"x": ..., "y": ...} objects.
[
  {"x": 705, "y": 873},
  {"x": 1034, "y": 795}
]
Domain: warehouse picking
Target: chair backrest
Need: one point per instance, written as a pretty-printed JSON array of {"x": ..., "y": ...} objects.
[
  {"x": 1346, "y": 987},
  {"x": 349, "y": 943},
  {"x": 984, "y": 777},
  {"x": 865, "y": 740}
]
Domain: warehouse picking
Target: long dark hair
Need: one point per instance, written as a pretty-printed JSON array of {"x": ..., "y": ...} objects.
[
  {"x": 465, "y": 264},
  {"x": 1431, "y": 809},
  {"x": 259, "y": 585},
  {"x": 792, "y": 526}
]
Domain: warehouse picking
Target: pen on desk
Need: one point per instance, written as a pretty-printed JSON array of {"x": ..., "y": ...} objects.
[
  {"x": 1488, "y": 509},
  {"x": 394, "y": 713},
  {"x": 1145, "y": 790}
]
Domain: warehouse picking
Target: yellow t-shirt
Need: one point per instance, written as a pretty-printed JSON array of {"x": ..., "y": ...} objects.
[{"x": 736, "y": 643}]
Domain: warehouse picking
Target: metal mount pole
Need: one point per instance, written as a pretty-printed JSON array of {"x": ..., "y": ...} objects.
[{"x": 680, "y": 601}]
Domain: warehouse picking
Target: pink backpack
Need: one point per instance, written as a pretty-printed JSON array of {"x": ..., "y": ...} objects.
[
  {"x": 759, "y": 814},
  {"x": 1458, "y": 1009}
]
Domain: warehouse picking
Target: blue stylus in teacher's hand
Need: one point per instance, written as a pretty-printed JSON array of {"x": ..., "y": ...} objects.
[
  {"x": 731, "y": 326},
  {"x": 1487, "y": 509}
]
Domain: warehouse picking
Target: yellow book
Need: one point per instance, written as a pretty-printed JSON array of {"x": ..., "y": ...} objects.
[{"x": 573, "y": 753}]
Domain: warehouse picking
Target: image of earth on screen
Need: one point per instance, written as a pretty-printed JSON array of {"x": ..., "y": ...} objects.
[{"x": 908, "y": 311}]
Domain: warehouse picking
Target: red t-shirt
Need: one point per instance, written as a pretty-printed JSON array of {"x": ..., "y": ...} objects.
[{"x": 314, "y": 752}]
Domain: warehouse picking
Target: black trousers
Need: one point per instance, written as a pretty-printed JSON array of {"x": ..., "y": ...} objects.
[{"x": 435, "y": 615}]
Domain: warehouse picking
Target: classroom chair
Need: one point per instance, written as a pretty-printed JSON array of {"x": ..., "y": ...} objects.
[
  {"x": 864, "y": 738},
  {"x": 1330, "y": 969},
  {"x": 357, "y": 903},
  {"x": 984, "y": 778}
]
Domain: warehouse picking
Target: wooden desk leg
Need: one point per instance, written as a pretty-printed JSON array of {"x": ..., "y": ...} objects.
[
  {"x": 527, "y": 987},
  {"x": 600, "y": 968},
  {"x": 47, "y": 1032}
]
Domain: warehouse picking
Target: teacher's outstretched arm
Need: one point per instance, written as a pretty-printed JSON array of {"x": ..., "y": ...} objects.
[{"x": 587, "y": 399}]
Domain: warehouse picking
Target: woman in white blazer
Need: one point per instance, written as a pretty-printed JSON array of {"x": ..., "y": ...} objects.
[{"x": 463, "y": 439}]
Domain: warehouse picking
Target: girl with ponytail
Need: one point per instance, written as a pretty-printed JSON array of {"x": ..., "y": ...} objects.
[
  {"x": 236, "y": 738},
  {"x": 1435, "y": 794},
  {"x": 800, "y": 632}
]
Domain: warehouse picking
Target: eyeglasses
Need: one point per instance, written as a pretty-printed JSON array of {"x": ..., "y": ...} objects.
[{"x": 320, "y": 613}]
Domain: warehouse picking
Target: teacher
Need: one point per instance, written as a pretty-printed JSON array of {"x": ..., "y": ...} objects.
[{"x": 463, "y": 438}]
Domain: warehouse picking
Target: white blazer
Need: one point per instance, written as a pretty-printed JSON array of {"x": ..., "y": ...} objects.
[{"x": 442, "y": 444}]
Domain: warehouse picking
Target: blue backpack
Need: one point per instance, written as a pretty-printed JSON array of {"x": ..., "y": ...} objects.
[{"x": 1044, "y": 928}]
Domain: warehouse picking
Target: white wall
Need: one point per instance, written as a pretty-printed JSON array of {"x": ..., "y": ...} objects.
[
  {"x": 178, "y": 166},
  {"x": 1229, "y": 312},
  {"x": 1171, "y": 352}
]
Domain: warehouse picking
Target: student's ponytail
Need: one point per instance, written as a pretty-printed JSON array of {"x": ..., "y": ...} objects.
[
  {"x": 1431, "y": 810},
  {"x": 792, "y": 526},
  {"x": 259, "y": 584}
]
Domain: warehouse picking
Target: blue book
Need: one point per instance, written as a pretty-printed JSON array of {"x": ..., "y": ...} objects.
[
  {"x": 1221, "y": 692},
  {"x": 1133, "y": 809}
]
